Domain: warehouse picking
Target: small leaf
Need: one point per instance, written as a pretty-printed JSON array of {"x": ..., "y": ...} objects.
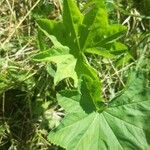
[
  {"x": 65, "y": 63},
  {"x": 100, "y": 51},
  {"x": 113, "y": 33},
  {"x": 55, "y": 28}
]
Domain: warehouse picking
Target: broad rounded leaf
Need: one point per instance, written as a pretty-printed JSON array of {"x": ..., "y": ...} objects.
[{"x": 123, "y": 125}]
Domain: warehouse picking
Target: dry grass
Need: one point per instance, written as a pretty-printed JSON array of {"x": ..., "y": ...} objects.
[{"x": 20, "y": 128}]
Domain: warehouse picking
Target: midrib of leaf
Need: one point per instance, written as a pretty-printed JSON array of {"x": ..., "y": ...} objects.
[
  {"x": 80, "y": 119},
  {"x": 112, "y": 131},
  {"x": 122, "y": 120},
  {"x": 72, "y": 24},
  {"x": 87, "y": 38},
  {"x": 129, "y": 103},
  {"x": 96, "y": 115}
]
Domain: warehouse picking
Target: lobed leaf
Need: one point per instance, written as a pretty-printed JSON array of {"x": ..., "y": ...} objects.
[
  {"x": 124, "y": 124},
  {"x": 84, "y": 33},
  {"x": 63, "y": 59}
]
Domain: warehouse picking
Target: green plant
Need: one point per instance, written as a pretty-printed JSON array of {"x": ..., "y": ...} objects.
[
  {"x": 122, "y": 125},
  {"x": 76, "y": 35},
  {"x": 90, "y": 121}
]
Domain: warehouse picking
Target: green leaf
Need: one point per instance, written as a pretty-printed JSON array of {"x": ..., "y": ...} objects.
[
  {"x": 41, "y": 42},
  {"x": 52, "y": 38},
  {"x": 95, "y": 24},
  {"x": 72, "y": 19},
  {"x": 55, "y": 28},
  {"x": 65, "y": 63},
  {"x": 113, "y": 33},
  {"x": 116, "y": 48},
  {"x": 100, "y": 51},
  {"x": 124, "y": 124},
  {"x": 82, "y": 33},
  {"x": 72, "y": 67},
  {"x": 96, "y": 31},
  {"x": 83, "y": 67},
  {"x": 91, "y": 94},
  {"x": 110, "y": 50}
]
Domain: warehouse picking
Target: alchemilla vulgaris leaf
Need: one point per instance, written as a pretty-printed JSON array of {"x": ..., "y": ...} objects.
[{"x": 122, "y": 125}]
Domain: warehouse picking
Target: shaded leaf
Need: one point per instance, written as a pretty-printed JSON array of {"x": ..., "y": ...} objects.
[
  {"x": 91, "y": 94},
  {"x": 55, "y": 28}
]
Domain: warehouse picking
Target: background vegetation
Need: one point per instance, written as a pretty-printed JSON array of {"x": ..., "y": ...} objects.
[{"x": 28, "y": 106}]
